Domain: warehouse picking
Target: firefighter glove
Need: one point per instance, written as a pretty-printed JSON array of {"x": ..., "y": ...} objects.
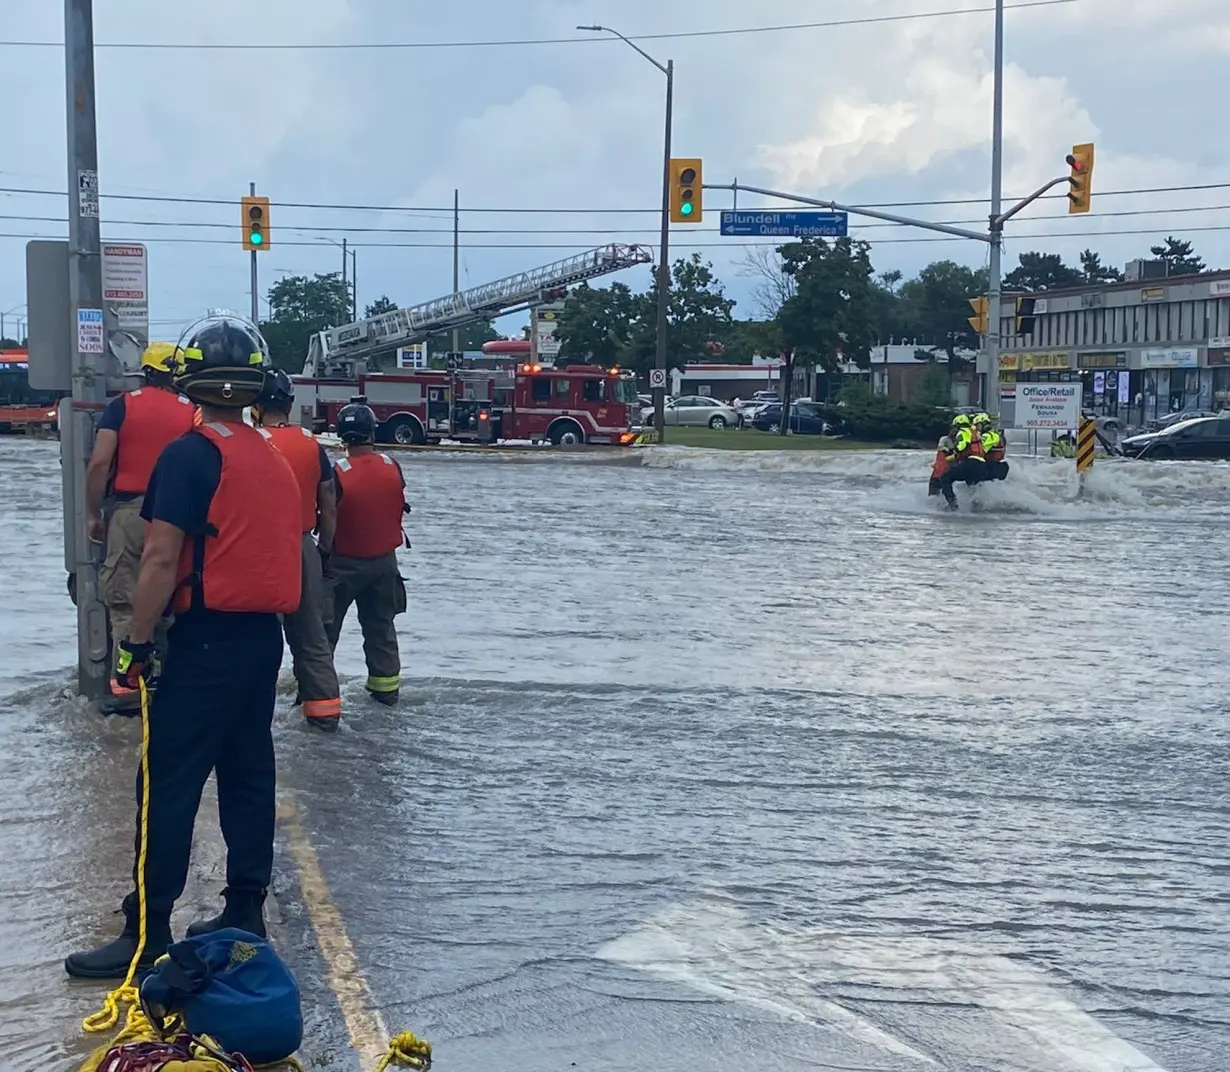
[{"x": 134, "y": 663}]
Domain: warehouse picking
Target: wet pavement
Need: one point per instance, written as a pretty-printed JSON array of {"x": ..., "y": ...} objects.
[{"x": 709, "y": 760}]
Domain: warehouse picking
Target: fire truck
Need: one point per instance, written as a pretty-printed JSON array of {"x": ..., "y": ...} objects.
[{"x": 527, "y": 400}]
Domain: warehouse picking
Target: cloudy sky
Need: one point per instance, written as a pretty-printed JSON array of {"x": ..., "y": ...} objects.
[{"x": 894, "y": 110}]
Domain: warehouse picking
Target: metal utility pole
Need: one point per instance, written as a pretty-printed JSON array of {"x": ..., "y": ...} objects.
[
  {"x": 345, "y": 266},
  {"x": 994, "y": 267},
  {"x": 354, "y": 285},
  {"x": 86, "y": 312},
  {"x": 664, "y": 271},
  {"x": 456, "y": 259},
  {"x": 256, "y": 301}
]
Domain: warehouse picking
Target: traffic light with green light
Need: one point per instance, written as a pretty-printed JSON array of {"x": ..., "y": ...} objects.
[
  {"x": 1080, "y": 181},
  {"x": 686, "y": 200},
  {"x": 256, "y": 223}
]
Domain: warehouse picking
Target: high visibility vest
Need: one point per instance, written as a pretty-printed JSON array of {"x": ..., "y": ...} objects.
[
  {"x": 968, "y": 445},
  {"x": 369, "y": 508},
  {"x": 300, "y": 448},
  {"x": 248, "y": 559},
  {"x": 152, "y": 418},
  {"x": 993, "y": 445}
]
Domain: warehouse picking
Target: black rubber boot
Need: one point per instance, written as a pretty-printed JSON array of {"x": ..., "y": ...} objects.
[
  {"x": 111, "y": 961},
  {"x": 389, "y": 699},
  {"x": 243, "y": 910}
]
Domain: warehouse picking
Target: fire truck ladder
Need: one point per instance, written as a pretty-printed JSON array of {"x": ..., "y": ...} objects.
[{"x": 337, "y": 351}]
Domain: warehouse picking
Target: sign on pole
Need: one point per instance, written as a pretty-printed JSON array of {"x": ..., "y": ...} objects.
[
  {"x": 125, "y": 280},
  {"x": 657, "y": 378},
  {"x": 801, "y": 224},
  {"x": 1047, "y": 405},
  {"x": 1085, "y": 442}
]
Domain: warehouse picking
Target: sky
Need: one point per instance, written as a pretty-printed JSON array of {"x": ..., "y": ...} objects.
[{"x": 895, "y": 108}]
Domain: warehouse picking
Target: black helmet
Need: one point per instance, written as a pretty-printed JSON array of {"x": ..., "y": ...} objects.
[
  {"x": 356, "y": 423},
  {"x": 223, "y": 358},
  {"x": 277, "y": 394}
]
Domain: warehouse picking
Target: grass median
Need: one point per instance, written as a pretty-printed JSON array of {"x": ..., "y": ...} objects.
[{"x": 750, "y": 439}]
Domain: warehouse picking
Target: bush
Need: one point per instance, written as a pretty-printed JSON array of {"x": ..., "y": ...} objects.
[{"x": 876, "y": 421}]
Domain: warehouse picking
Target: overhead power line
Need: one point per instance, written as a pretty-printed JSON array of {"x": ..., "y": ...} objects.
[
  {"x": 316, "y": 46},
  {"x": 511, "y": 211}
]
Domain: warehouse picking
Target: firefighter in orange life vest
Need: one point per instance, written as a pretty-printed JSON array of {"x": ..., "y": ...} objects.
[
  {"x": 305, "y": 629},
  {"x": 223, "y": 549},
  {"x": 967, "y": 462},
  {"x": 993, "y": 446},
  {"x": 363, "y": 566},
  {"x": 134, "y": 428}
]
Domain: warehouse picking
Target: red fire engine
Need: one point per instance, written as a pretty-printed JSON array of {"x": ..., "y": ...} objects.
[{"x": 526, "y": 400}]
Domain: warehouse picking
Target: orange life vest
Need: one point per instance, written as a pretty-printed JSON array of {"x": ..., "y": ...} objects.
[
  {"x": 369, "y": 509},
  {"x": 941, "y": 464},
  {"x": 247, "y": 560},
  {"x": 152, "y": 418},
  {"x": 303, "y": 452}
]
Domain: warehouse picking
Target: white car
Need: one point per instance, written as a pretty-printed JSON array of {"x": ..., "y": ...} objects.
[{"x": 694, "y": 411}]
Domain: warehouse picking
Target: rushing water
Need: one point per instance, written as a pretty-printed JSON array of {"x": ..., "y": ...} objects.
[{"x": 715, "y": 760}]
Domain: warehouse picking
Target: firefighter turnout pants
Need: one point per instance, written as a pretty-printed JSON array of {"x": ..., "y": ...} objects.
[
  {"x": 118, "y": 581},
  {"x": 966, "y": 471},
  {"x": 375, "y": 587},
  {"x": 308, "y": 640},
  {"x": 213, "y": 711}
]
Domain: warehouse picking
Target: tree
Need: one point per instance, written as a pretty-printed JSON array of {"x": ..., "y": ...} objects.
[
  {"x": 936, "y": 307},
  {"x": 470, "y": 337},
  {"x": 831, "y": 317},
  {"x": 1041, "y": 271},
  {"x": 698, "y": 317},
  {"x": 598, "y": 323},
  {"x": 1092, "y": 270},
  {"x": 383, "y": 304},
  {"x": 300, "y": 307},
  {"x": 1179, "y": 258},
  {"x": 773, "y": 284}
]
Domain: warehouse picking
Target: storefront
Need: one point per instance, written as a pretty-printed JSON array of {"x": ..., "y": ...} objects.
[
  {"x": 1218, "y": 360},
  {"x": 1172, "y": 380},
  {"x": 1109, "y": 387}
]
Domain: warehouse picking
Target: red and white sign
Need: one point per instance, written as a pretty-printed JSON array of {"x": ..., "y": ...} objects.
[{"x": 124, "y": 273}]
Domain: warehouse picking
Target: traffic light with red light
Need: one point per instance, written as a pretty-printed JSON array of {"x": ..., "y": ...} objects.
[
  {"x": 686, "y": 203},
  {"x": 256, "y": 223},
  {"x": 1080, "y": 181}
]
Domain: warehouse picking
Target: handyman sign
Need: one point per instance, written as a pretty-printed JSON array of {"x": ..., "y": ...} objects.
[{"x": 1047, "y": 405}]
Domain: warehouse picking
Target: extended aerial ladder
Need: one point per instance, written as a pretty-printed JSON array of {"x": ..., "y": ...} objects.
[{"x": 343, "y": 353}]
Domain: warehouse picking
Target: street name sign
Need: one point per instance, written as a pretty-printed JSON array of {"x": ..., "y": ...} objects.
[{"x": 765, "y": 224}]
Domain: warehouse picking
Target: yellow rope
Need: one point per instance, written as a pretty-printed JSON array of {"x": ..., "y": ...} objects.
[
  {"x": 406, "y": 1050},
  {"x": 126, "y": 993}
]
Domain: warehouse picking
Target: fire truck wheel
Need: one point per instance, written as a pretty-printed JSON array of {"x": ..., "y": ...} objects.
[
  {"x": 404, "y": 431},
  {"x": 567, "y": 434}
]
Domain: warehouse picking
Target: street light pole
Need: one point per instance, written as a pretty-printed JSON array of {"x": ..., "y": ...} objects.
[
  {"x": 994, "y": 268},
  {"x": 664, "y": 271}
]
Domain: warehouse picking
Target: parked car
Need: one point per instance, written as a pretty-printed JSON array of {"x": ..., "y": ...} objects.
[
  {"x": 747, "y": 411},
  {"x": 1202, "y": 437},
  {"x": 1169, "y": 419},
  {"x": 806, "y": 418},
  {"x": 694, "y": 411}
]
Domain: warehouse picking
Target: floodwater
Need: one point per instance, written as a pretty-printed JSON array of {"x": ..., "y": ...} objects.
[{"x": 711, "y": 761}]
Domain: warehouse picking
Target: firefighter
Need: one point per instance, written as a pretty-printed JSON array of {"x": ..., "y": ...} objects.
[
  {"x": 967, "y": 463},
  {"x": 134, "y": 428},
  {"x": 305, "y": 629},
  {"x": 943, "y": 452},
  {"x": 993, "y": 446},
  {"x": 363, "y": 567},
  {"x": 223, "y": 549}
]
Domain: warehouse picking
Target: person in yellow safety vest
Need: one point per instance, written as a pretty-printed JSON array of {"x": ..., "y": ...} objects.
[
  {"x": 132, "y": 431},
  {"x": 968, "y": 462},
  {"x": 993, "y": 446}
]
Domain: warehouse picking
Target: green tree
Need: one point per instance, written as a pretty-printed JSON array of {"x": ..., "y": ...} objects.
[
  {"x": 383, "y": 304},
  {"x": 831, "y": 317},
  {"x": 935, "y": 306},
  {"x": 1041, "y": 271},
  {"x": 470, "y": 337},
  {"x": 746, "y": 338},
  {"x": 699, "y": 317},
  {"x": 1179, "y": 258},
  {"x": 1093, "y": 271},
  {"x": 299, "y": 307},
  {"x": 894, "y": 321},
  {"x": 599, "y": 324}
]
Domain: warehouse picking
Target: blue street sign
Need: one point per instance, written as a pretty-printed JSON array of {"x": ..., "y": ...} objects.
[{"x": 771, "y": 224}]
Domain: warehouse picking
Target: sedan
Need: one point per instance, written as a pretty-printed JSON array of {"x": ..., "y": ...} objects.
[
  {"x": 806, "y": 418},
  {"x": 695, "y": 411},
  {"x": 1202, "y": 437}
]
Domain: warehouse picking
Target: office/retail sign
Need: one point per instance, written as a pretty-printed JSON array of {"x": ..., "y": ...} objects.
[
  {"x": 802, "y": 224},
  {"x": 1047, "y": 405}
]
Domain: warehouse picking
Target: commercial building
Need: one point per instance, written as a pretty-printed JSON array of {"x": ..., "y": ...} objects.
[
  {"x": 1141, "y": 348},
  {"x": 726, "y": 381}
]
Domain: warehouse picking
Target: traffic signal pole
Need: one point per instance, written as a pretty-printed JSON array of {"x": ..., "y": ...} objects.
[
  {"x": 256, "y": 307},
  {"x": 86, "y": 310},
  {"x": 664, "y": 264},
  {"x": 994, "y": 261}
]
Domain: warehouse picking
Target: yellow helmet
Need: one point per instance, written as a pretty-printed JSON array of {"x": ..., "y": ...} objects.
[
  {"x": 961, "y": 420},
  {"x": 159, "y": 356},
  {"x": 981, "y": 418}
]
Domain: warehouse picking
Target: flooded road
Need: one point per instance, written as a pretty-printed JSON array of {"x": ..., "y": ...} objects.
[{"x": 707, "y": 760}]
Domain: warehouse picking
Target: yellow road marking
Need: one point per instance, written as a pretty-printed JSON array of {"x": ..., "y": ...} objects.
[{"x": 368, "y": 1035}]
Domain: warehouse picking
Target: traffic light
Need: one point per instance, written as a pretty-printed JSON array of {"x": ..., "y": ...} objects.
[
  {"x": 686, "y": 199},
  {"x": 979, "y": 321},
  {"x": 1080, "y": 160},
  {"x": 256, "y": 223},
  {"x": 1025, "y": 318}
]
